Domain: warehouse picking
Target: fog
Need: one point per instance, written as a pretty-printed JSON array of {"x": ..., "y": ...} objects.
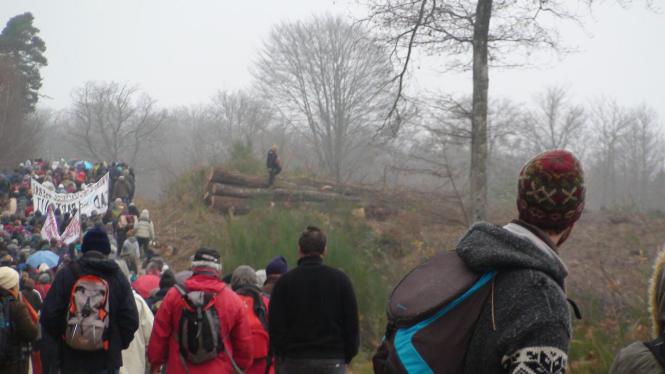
[{"x": 194, "y": 70}]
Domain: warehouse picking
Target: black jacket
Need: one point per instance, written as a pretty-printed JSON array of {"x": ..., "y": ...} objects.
[
  {"x": 124, "y": 319},
  {"x": 313, "y": 313}
]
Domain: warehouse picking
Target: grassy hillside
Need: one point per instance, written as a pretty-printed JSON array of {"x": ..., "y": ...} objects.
[{"x": 609, "y": 258}]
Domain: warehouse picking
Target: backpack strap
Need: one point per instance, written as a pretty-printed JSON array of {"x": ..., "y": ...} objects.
[
  {"x": 576, "y": 309},
  {"x": 259, "y": 306},
  {"x": 657, "y": 348}
]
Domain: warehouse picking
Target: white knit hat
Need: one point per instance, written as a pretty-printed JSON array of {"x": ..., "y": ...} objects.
[{"x": 8, "y": 278}]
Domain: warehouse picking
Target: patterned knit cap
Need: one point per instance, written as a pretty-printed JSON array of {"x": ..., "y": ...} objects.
[{"x": 551, "y": 190}]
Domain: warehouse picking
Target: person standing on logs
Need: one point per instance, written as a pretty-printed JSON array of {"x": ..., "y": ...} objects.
[{"x": 273, "y": 164}]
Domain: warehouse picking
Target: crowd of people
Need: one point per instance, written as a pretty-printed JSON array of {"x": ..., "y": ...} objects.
[{"x": 496, "y": 304}]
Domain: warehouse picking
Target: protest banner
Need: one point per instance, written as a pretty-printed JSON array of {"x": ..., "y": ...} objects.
[
  {"x": 73, "y": 231},
  {"x": 93, "y": 198},
  {"x": 50, "y": 228}
]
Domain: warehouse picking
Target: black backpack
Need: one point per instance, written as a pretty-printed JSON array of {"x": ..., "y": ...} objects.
[
  {"x": 10, "y": 350},
  {"x": 260, "y": 309},
  {"x": 6, "y": 329},
  {"x": 432, "y": 313},
  {"x": 199, "y": 338}
]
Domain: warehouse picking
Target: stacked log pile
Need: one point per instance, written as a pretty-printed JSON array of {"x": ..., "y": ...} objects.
[{"x": 233, "y": 193}]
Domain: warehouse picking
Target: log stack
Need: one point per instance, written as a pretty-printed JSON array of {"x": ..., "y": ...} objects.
[{"x": 234, "y": 193}]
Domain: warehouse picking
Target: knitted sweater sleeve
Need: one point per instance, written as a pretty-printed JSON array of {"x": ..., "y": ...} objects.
[{"x": 539, "y": 336}]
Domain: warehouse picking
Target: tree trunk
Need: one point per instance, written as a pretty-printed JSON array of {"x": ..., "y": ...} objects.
[{"x": 478, "y": 172}]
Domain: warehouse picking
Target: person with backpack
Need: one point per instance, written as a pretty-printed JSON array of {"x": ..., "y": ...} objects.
[
  {"x": 17, "y": 328},
  {"x": 91, "y": 310},
  {"x": 243, "y": 282},
  {"x": 497, "y": 303},
  {"x": 201, "y": 326},
  {"x": 648, "y": 357},
  {"x": 313, "y": 318}
]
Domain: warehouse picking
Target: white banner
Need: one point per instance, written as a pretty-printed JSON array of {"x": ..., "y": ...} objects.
[
  {"x": 50, "y": 228},
  {"x": 73, "y": 231},
  {"x": 94, "y": 198}
]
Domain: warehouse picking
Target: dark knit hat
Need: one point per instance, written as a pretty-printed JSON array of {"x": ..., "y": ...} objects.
[
  {"x": 277, "y": 265},
  {"x": 551, "y": 190},
  {"x": 206, "y": 257},
  {"x": 167, "y": 280},
  {"x": 96, "y": 240}
]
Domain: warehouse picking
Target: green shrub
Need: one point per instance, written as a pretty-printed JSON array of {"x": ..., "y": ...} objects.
[{"x": 255, "y": 238}]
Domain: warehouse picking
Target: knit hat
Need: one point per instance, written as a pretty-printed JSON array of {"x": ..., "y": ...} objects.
[
  {"x": 167, "y": 280},
  {"x": 206, "y": 257},
  {"x": 551, "y": 190},
  {"x": 8, "y": 278},
  {"x": 96, "y": 240},
  {"x": 277, "y": 265},
  {"x": 243, "y": 276}
]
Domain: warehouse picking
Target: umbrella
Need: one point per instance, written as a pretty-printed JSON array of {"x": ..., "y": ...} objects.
[
  {"x": 87, "y": 165},
  {"x": 43, "y": 257}
]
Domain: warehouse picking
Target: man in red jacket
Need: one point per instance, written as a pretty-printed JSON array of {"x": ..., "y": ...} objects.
[{"x": 234, "y": 324}]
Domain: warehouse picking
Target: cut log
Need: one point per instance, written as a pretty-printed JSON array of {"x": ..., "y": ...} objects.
[
  {"x": 229, "y": 205},
  {"x": 219, "y": 189},
  {"x": 310, "y": 196},
  {"x": 219, "y": 175},
  {"x": 276, "y": 194}
]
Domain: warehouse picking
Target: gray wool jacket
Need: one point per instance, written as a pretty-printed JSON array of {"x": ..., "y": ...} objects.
[{"x": 525, "y": 325}]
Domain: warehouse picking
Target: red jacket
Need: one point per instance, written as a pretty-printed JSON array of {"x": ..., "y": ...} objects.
[
  {"x": 260, "y": 338},
  {"x": 235, "y": 330}
]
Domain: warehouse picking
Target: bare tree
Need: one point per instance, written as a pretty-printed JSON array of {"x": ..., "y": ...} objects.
[
  {"x": 641, "y": 154},
  {"x": 473, "y": 34},
  {"x": 555, "y": 122},
  {"x": 113, "y": 121},
  {"x": 331, "y": 77},
  {"x": 610, "y": 122}
]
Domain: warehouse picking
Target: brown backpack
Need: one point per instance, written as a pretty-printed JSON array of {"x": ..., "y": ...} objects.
[{"x": 432, "y": 313}]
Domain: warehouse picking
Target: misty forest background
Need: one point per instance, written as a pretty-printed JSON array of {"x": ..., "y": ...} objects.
[{"x": 333, "y": 94}]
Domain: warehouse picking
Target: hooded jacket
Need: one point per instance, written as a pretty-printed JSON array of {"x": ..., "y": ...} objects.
[
  {"x": 234, "y": 325},
  {"x": 24, "y": 332},
  {"x": 144, "y": 227},
  {"x": 637, "y": 358},
  {"x": 525, "y": 325},
  {"x": 133, "y": 358},
  {"x": 124, "y": 319}
]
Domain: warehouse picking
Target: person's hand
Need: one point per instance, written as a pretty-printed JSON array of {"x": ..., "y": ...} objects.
[{"x": 155, "y": 369}]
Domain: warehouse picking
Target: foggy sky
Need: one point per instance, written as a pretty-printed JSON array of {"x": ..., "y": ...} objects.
[{"x": 182, "y": 52}]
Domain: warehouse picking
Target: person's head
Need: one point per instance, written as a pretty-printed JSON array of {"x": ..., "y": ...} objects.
[
  {"x": 551, "y": 193},
  {"x": 312, "y": 242},
  {"x": 9, "y": 279},
  {"x": 243, "y": 276},
  {"x": 277, "y": 266},
  {"x": 167, "y": 280},
  {"x": 154, "y": 268},
  {"x": 207, "y": 259},
  {"x": 274, "y": 148},
  {"x": 145, "y": 214},
  {"x": 96, "y": 239}
]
